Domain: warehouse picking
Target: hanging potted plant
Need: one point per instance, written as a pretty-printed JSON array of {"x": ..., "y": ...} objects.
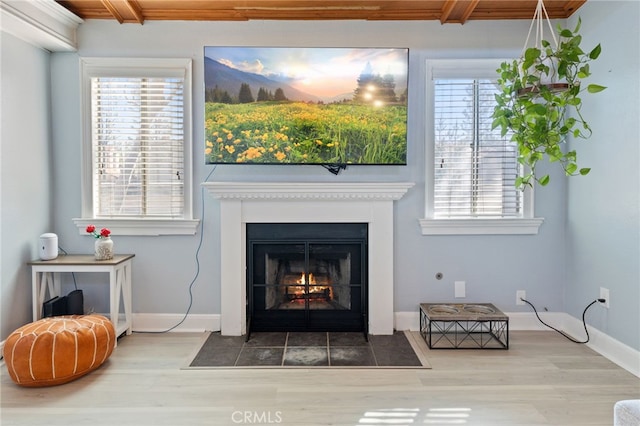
[{"x": 540, "y": 100}]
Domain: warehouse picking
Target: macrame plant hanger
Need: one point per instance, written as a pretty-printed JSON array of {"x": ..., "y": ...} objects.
[{"x": 540, "y": 19}]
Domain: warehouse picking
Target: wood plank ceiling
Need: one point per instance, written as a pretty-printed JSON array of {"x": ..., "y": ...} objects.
[{"x": 445, "y": 11}]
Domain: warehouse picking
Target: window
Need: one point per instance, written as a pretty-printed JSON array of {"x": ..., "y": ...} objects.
[
  {"x": 471, "y": 169},
  {"x": 137, "y": 141},
  {"x": 475, "y": 168}
]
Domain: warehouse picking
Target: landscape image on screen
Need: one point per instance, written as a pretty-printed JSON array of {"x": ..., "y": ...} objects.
[{"x": 336, "y": 106}]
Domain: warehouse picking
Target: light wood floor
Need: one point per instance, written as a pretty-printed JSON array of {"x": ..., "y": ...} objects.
[{"x": 543, "y": 379}]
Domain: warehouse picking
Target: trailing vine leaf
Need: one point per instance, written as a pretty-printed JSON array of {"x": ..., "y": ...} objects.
[
  {"x": 541, "y": 116},
  {"x": 595, "y": 88},
  {"x": 544, "y": 180}
]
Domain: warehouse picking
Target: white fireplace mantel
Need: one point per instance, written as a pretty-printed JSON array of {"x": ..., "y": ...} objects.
[
  {"x": 371, "y": 191},
  {"x": 320, "y": 202}
]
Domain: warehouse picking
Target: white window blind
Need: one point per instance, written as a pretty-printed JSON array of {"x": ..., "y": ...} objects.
[
  {"x": 474, "y": 167},
  {"x": 138, "y": 140}
]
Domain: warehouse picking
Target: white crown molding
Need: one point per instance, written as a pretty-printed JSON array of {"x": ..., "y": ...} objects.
[
  {"x": 43, "y": 23},
  {"x": 325, "y": 191}
]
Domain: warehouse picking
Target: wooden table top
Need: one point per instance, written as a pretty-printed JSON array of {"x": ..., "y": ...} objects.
[
  {"x": 81, "y": 259},
  {"x": 462, "y": 312}
]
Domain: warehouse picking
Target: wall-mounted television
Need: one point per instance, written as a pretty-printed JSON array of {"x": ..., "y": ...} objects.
[{"x": 311, "y": 105}]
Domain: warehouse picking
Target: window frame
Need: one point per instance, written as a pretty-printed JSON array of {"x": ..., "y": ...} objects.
[
  {"x": 142, "y": 67},
  {"x": 527, "y": 224}
]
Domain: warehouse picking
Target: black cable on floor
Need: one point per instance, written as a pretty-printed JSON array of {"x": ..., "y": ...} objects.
[{"x": 560, "y": 331}]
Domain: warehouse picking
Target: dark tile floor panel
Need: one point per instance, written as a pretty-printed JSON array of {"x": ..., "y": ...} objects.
[{"x": 307, "y": 349}]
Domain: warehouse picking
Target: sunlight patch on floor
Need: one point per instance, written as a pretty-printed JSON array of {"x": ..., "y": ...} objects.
[
  {"x": 392, "y": 416},
  {"x": 411, "y": 416},
  {"x": 447, "y": 416}
]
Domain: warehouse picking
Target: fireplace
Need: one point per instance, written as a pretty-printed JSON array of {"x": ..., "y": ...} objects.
[
  {"x": 306, "y": 276},
  {"x": 243, "y": 203}
]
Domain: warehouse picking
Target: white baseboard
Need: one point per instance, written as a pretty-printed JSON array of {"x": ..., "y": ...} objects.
[
  {"x": 168, "y": 322},
  {"x": 610, "y": 348},
  {"x": 517, "y": 320},
  {"x": 157, "y": 323},
  {"x": 406, "y": 321}
]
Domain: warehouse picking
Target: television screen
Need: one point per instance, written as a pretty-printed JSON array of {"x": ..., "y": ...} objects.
[{"x": 329, "y": 106}]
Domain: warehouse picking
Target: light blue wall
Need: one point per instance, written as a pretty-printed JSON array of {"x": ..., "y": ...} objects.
[
  {"x": 494, "y": 267},
  {"x": 603, "y": 219},
  {"x": 25, "y": 173},
  {"x": 548, "y": 266}
]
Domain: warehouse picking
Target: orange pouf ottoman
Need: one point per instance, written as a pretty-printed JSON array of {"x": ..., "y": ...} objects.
[{"x": 57, "y": 350}]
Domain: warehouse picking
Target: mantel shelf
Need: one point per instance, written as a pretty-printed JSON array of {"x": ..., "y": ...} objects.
[{"x": 330, "y": 191}]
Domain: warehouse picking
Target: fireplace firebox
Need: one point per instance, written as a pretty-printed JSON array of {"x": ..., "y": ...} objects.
[{"x": 306, "y": 277}]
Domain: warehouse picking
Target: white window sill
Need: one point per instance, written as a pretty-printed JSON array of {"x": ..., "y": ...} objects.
[
  {"x": 480, "y": 226},
  {"x": 147, "y": 227}
]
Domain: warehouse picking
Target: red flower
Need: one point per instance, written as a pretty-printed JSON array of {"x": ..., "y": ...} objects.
[{"x": 104, "y": 232}]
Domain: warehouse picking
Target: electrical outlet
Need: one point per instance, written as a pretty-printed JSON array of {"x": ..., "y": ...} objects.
[
  {"x": 520, "y": 294},
  {"x": 604, "y": 294},
  {"x": 459, "y": 289}
]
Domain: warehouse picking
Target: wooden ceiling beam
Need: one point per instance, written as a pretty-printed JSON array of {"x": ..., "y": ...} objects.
[
  {"x": 267, "y": 14},
  {"x": 135, "y": 10},
  {"x": 194, "y": 15},
  {"x": 447, "y": 8},
  {"x": 307, "y": 12},
  {"x": 113, "y": 10},
  {"x": 468, "y": 11},
  {"x": 405, "y": 15},
  {"x": 573, "y": 5},
  {"x": 446, "y": 11}
]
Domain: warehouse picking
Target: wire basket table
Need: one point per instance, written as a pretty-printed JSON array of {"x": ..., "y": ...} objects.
[{"x": 464, "y": 326}]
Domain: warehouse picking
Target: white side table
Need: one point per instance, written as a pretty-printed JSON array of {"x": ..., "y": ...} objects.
[{"x": 45, "y": 277}]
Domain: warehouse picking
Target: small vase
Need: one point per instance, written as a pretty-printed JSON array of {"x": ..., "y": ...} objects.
[{"x": 104, "y": 248}]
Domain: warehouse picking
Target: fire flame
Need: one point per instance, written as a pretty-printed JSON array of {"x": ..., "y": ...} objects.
[
  {"x": 302, "y": 279},
  {"x": 312, "y": 287}
]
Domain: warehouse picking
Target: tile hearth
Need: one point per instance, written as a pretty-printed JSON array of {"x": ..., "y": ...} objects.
[{"x": 307, "y": 349}]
